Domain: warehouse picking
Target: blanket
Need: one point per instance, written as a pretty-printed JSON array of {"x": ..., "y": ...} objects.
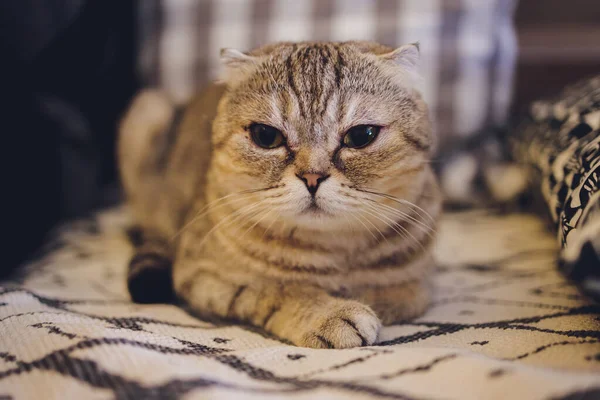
[
  {"x": 503, "y": 324},
  {"x": 559, "y": 142}
]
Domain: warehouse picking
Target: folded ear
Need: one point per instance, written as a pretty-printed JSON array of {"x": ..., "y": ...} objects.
[
  {"x": 233, "y": 58},
  {"x": 237, "y": 65},
  {"x": 403, "y": 65},
  {"x": 406, "y": 56}
]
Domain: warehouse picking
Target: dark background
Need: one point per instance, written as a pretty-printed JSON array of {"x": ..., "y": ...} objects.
[
  {"x": 559, "y": 42},
  {"x": 68, "y": 72}
]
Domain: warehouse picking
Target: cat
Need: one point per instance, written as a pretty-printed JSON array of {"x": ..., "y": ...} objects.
[{"x": 295, "y": 194}]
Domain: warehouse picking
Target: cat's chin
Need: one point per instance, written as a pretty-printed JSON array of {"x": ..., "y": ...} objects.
[
  {"x": 314, "y": 212},
  {"x": 315, "y": 217}
]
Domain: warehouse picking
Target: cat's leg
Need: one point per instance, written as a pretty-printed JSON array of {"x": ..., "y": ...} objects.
[
  {"x": 142, "y": 143},
  {"x": 143, "y": 132},
  {"x": 149, "y": 276},
  {"x": 144, "y": 136},
  {"x": 397, "y": 303},
  {"x": 302, "y": 314}
]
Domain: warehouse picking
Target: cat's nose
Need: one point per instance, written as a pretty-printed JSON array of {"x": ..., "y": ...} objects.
[{"x": 312, "y": 181}]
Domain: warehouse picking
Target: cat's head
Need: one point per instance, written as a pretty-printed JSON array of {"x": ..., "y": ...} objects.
[{"x": 319, "y": 124}]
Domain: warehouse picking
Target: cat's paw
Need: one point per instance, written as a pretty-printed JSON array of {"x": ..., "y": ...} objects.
[
  {"x": 392, "y": 314},
  {"x": 341, "y": 325}
]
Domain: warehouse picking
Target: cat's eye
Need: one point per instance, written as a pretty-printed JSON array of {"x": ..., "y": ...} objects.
[
  {"x": 360, "y": 136},
  {"x": 266, "y": 136}
]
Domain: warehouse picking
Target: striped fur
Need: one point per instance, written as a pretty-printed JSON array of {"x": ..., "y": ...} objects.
[{"x": 249, "y": 242}]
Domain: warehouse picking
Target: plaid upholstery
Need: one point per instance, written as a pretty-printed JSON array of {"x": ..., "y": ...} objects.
[{"x": 468, "y": 47}]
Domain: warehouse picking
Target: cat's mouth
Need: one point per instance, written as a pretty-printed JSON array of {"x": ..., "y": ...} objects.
[{"x": 314, "y": 209}]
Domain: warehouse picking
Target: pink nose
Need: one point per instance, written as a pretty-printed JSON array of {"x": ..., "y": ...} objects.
[{"x": 312, "y": 181}]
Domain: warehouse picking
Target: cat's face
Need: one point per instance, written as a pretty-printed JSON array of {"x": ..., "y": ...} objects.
[{"x": 318, "y": 124}]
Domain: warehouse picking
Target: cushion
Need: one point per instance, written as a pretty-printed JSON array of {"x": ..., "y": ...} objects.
[
  {"x": 468, "y": 48},
  {"x": 503, "y": 324},
  {"x": 559, "y": 142}
]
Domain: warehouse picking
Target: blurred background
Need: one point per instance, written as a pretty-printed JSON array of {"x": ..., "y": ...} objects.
[
  {"x": 70, "y": 68},
  {"x": 559, "y": 43}
]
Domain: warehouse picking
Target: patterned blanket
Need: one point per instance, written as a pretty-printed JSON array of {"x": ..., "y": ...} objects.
[
  {"x": 504, "y": 324},
  {"x": 560, "y": 143}
]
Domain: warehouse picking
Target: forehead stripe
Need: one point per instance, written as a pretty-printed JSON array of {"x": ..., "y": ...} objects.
[{"x": 290, "y": 77}]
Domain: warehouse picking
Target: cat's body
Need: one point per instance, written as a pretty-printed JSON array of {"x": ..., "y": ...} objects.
[{"x": 269, "y": 210}]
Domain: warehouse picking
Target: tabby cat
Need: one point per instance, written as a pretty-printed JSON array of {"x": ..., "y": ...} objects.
[{"x": 295, "y": 194}]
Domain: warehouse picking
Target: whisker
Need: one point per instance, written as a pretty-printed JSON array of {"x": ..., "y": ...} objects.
[
  {"x": 363, "y": 224},
  {"x": 269, "y": 211},
  {"x": 245, "y": 217},
  {"x": 236, "y": 215},
  {"x": 429, "y": 230},
  {"x": 396, "y": 199},
  {"x": 213, "y": 205},
  {"x": 405, "y": 234},
  {"x": 399, "y": 213},
  {"x": 387, "y": 223},
  {"x": 249, "y": 191},
  {"x": 393, "y": 224},
  {"x": 376, "y": 228},
  {"x": 282, "y": 230},
  {"x": 347, "y": 221},
  {"x": 271, "y": 224}
]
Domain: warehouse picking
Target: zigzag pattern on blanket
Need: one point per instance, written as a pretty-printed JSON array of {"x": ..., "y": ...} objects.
[
  {"x": 499, "y": 318},
  {"x": 560, "y": 140}
]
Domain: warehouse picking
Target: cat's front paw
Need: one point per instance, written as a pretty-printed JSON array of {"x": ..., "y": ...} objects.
[{"x": 341, "y": 325}]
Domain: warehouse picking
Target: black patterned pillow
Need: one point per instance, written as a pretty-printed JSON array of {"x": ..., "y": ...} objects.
[{"x": 560, "y": 141}]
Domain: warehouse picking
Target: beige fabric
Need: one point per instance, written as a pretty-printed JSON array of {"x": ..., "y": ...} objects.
[{"x": 504, "y": 325}]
